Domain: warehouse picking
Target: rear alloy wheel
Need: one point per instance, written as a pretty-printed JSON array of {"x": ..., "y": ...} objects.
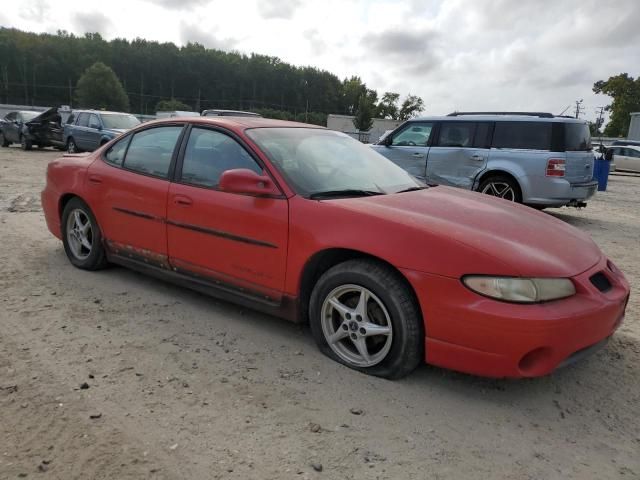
[
  {"x": 82, "y": 237},
  {"x": 363, "y": 315},
  {"x": 501, "y": 187},
  {"x": 3, "y": 140},
  {"x": 71, "y": 146},
  {"x": 25, "y": 143}
]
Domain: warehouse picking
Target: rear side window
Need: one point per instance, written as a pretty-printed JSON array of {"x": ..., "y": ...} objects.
[
  {"x": 523, "y": 135},
  {"x": 456, "y": 134},
  {"x": 577, "y": 137},
  {"x": 151, "y": 150}
]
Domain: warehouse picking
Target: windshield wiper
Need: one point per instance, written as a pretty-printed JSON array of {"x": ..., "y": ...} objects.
[
  {"x": 347, "y": 192},
  {"x": 411, "y": 189}
]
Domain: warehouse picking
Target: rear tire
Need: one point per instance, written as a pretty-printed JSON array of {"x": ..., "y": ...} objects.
[
  {"x": 71, "y": 146},
  {"x": 501, "y": 186},
  {"x": 82, "y": 237},
  {"x": 382, "y": 335}
]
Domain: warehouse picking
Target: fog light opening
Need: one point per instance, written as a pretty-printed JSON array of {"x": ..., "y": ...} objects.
[{"x": 536, "y": 362}]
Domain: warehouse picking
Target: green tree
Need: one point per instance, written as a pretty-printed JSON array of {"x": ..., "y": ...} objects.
[
  {"x": 363, "y": 120},
  {"x": 172, "y": 105},
  {"x": 388, "y": 106},
  {"x": 625, "y": 91},
  {"x": 411, "y": 107},
  {"x": 100, "y": 88}
]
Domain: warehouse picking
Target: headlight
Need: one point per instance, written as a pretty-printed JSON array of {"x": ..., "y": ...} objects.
[{"x": 520, "y": 290}]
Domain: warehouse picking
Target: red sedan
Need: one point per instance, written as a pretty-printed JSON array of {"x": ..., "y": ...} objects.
[{"x": 309, "y": 224}]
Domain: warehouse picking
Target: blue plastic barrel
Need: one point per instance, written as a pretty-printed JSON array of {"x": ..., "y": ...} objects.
[{"x": 601, "y": 173}]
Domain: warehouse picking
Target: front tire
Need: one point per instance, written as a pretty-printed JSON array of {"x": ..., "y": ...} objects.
[
  {"x": 363, "y": 315},
  {"x": 25, "y": 143},
  {"x": 3, "y": 140},
  {"x": 501, "y": 186},
  {"x": 82, "y": 237}
]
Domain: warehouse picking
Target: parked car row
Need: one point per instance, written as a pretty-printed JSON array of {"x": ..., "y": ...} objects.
[
  {"x": 85, "y": 130},
  {"x": 311, "y": 225},
  {"x": 533, "y": 158}
]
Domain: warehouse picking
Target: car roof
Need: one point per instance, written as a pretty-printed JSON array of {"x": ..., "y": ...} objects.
[
  {"x": 100, "y": 112},
  {"x": 499, "y": 118},
  {"x": 241, "y": 123}
]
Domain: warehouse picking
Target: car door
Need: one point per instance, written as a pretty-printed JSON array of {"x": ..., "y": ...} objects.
[
  {"x": 10, "y": 129},
  {"x": 79, "y": 132},
  {"x": 237, "y": 241},
  {"x": 409, "y": 146},
  {"x": 459, "y": 153},
  {"x": 633, "y": 159},
  {"x": 128, "y": 189},
  {"x": 94, "y": 132}
]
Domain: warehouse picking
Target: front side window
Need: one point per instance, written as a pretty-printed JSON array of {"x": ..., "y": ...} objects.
[
  {"x": 11, "y": 117},
  {"x": 83, "y": 120},
  {"x": 119, "y": 121},
  {"x": 115, "y": 154},
  {"x": 209, "y": 154},
  {"x": 93, "y": 121},
  {"x": 456, "y": 134},
  {"x": 522, "y": 135},
  {"x": 415, "y": 134},
  {"x": 317, "y": 160},
  {"x": 151, "y": 151}
]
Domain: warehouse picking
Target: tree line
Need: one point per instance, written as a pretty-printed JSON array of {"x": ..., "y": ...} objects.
[{"x": 46, "y": 69}]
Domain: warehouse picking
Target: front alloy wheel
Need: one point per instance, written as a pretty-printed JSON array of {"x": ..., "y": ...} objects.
[
  {"x": 363, "y": 314},
  {"x": 79, "y": 234},
  {"x": 356, "y": 325}
]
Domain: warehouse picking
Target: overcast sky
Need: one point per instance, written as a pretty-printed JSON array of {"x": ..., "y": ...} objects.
[{"x": 456, "y": 54}]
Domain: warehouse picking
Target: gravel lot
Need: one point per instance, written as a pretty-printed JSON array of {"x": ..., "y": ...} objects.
[{"x": 114, "y": 375}]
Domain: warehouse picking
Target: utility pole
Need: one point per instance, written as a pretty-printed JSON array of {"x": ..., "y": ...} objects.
[
  {"x": 70, "y": 94},
  {"x": 600, "y": 120},
  {"x": 579, "y": 107}
]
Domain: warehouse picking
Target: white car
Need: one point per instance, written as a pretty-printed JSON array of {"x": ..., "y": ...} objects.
[{"x": 627, "y": 157}]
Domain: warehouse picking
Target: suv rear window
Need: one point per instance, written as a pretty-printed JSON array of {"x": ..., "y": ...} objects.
[
  {"x": 577, "y": 137},
  {"x": 524, "y": 135}
]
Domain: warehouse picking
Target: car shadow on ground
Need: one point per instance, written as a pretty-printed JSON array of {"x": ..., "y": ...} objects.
[{"x": 605, "y": 369}]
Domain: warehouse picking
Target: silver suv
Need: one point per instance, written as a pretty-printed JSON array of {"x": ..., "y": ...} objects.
[{"x": 533, "y": 158}]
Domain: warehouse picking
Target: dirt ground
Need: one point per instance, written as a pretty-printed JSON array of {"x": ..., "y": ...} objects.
[{"x": 114, "y": 375}]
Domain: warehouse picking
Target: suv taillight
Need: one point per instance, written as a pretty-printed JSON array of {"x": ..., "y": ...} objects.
[{"x": 555, "y": 167}]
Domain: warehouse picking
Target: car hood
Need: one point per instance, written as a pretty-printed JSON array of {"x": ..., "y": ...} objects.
[
  {"x": 44, "y": 117},
  {"x": 519, "y": 239}
]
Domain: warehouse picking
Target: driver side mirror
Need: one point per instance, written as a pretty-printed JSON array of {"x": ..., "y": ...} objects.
[
  {"x": 247, "y": 182},
  {"x": 95, "y": 126},
  {"x": 387, "y": 141}
]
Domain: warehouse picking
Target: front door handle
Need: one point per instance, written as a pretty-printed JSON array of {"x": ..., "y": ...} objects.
[
  {"x": 182, "y": 200},
  {"x": 477, "y": 158},
  {"x": 417, "y": 154}
]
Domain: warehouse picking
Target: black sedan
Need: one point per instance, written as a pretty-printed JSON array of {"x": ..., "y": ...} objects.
[{"x": 42, "y": 129}]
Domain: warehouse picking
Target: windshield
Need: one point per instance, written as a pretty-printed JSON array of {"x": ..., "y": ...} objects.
[
  {"x": 315, "y": 160},
  {"x": 119, "y": 121}
]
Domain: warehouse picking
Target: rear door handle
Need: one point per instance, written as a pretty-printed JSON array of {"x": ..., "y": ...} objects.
[
  {"x": 182, "y": 200},
  {"x": 95, "y": 179}
]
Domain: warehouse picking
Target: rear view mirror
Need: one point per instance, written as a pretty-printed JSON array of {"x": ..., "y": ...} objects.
[{"x": 248, "y": 182}]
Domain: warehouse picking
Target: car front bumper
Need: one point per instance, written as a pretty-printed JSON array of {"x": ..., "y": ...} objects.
[{"x": 473, "y": 334}]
